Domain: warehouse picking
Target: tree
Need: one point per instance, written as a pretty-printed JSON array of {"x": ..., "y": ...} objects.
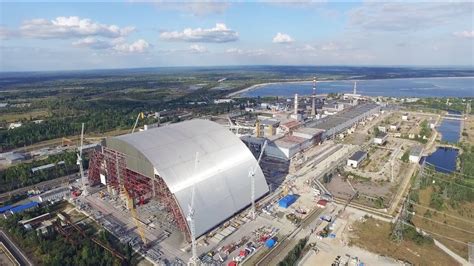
[{"x": 406, "y": 156}]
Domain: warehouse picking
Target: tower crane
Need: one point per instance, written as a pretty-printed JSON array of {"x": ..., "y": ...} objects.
[
  {"x": 190, "y": 217},
  {"x": 252, "y": 179},
  {"x": 140, "y": 115},
  {"x": 79, "y": 162}
]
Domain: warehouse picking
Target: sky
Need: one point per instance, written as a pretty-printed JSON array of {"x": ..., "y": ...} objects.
[{"x": 42, "y": 36}]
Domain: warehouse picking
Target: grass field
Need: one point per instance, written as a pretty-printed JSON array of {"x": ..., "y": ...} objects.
[
  {"x": 457, "y": 223},
  {"x": 374, "y": 236},
  {"x": 34, "y": 114},
  {"x": 469, "y": 130}
]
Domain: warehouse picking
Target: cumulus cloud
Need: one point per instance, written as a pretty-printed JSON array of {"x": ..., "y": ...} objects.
[
  {"x": 219, "y": 34},
  {"x": 196, "y": 8},
  {"x": 399, "y": 16},
  {"x": 70, "y": 27},
  {"x": 119, "y": 45},
  {"x": 139, "y": 46},
  {"x": 465, "y": 34},
  {"x": 282, "y": 38}
]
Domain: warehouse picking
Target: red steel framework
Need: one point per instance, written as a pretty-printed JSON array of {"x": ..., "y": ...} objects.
[{"x": 139, "y": 186}]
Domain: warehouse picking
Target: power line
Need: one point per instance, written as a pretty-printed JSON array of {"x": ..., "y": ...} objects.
[
  {"x": 432, "y": 233},
  {"x": 450, "y": 170},
  {"x": 452, "y": 226},
  {"x": 448, "y": 181},
  {"x": 461, "y": 219}
]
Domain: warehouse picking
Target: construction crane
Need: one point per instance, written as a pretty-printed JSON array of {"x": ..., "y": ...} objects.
[
  {"x": 133, "y": 210},
  {"x": 79, "y": 162},
  {"x": 252, "y": 179},
  {"x": 140, "y": 115},
  {"x": 194, "y": 260}
]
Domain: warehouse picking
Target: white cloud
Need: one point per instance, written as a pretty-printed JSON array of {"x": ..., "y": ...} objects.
[
  {"x": 465, "y": 34},
  {"x": 250, "y": 52},
  {"x": 399, "y": 16},
  {"x": 139, "y": 46},
  {"x": 282, "y": 38},
  {"x": 197, "y": 48},
  {"x": 331, "y": 46},
  {"x": 219, "y": 34},
  {"x": 70, "y": 27},
  {"x": 118, "y": 45}
]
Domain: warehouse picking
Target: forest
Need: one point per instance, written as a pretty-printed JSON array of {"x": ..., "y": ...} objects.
[
  {"x": 54, "y": 249},
  {"x": 20, "y": 175}
]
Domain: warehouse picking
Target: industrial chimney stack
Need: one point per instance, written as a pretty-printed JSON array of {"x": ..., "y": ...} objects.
[
  {"x": 296, "y": 103},
  {"x": 313, "y": 107}
]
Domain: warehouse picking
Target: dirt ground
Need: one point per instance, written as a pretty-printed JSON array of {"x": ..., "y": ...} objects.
[
  {"x": 341, "y": 189},
  {"x": 377, "y": 158},
  {"x": 374, "y": 236}
]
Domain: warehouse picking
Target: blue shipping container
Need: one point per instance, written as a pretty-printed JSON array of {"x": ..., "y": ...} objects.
[
  {"x": 270, "y": 243},
  {"x": 287, "y": 200}
]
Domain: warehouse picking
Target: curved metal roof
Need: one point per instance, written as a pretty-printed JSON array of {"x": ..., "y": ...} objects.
[{"x": 221, "y": 179}]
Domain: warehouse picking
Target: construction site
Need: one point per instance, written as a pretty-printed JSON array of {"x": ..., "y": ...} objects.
[{"x": 200, "y": 191}]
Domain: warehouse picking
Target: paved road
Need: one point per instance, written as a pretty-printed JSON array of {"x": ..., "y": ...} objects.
[{"x": 16, "y": 252}]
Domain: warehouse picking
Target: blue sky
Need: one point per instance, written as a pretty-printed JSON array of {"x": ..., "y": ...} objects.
[{"x": 65, "y": 36}]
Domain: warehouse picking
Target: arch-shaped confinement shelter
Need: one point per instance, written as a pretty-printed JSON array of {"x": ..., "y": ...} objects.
[{"x": 160, "y": 163}]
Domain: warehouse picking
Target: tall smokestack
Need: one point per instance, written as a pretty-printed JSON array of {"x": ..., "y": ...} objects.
[
  {"x": 296, "y": 104},
  {"x": 313, "y": 107}
]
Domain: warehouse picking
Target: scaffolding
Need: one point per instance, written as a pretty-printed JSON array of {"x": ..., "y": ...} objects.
[
  {"x": 166, "y": 197},
  {"x": 95, "y": 162},
  {"x": 140, "y": 187}
]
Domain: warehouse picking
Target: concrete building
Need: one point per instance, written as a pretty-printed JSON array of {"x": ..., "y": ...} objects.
[
  {"x": 287, "y": 147},
  {"x": 12, "y": 157},
  {"x": 415, "y": 154},
  {"x": 335, "y": 124},
  {"x": 160, "y": 163},
  {"x": 381, "y": 138},
  {"x": 395, "y": 127},
  {"x": 355, "y": 160},
  {"x": 382, "y": 128},
  {"x": 269, "y": 127},
  {"x": 55, "y": 195},
  {"x": 405, "y": 117},
  {"x": 312, "y": 134}
]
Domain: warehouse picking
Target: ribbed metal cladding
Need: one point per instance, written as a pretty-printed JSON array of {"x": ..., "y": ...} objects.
[{"x": 221, "y": 179}]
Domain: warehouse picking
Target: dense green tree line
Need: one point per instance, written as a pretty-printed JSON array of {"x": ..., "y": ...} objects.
[
  {"x": 20, "y": 175},
  {"x": 294, "y": 254}
]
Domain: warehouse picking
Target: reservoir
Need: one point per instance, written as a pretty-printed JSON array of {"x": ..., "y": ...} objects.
[
  {"x": 409, "y": 87},
  {"x": 450, "y": 130},
  {"x": 443, "y": 159}
]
